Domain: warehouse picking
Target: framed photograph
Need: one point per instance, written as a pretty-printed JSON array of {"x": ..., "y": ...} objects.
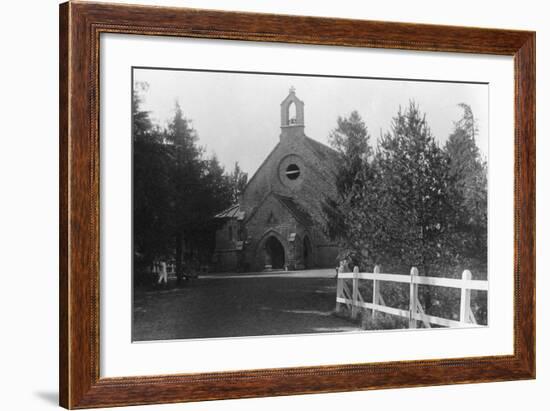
[{"x": 258, "y": 205}]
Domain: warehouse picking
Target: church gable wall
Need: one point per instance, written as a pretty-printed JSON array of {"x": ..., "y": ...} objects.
[
  {"x": 316, "y": 181},
  {"x": 261, "y": 182}
]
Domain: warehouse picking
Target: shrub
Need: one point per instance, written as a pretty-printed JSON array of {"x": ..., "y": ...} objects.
[{"x": 383, "y": 321}]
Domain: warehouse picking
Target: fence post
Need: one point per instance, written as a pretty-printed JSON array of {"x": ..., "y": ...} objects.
[
  {"x": 339, "y": 290},
  {"x": 375, "y": 290},
  {"x": 355, "y": 293},
  {"x": 465, "y": 298},
  {"x": 413, "y": 298}
]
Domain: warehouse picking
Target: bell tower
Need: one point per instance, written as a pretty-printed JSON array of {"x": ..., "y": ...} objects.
[{"x": 292, "y": 116}]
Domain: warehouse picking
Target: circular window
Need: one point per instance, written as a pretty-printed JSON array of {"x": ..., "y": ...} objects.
[{"x": 292, "y": 172}]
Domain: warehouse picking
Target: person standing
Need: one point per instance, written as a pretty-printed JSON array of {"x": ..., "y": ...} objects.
[{"x": 163, "y": 273}]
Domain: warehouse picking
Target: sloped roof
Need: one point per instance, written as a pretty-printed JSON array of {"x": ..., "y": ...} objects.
[
  {"x": 324, "y": 152},
  {"x": 295, "y": 209},
  {"x": 231, "y": 212}
]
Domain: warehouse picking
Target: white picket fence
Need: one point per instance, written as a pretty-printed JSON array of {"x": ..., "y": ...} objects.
[{"x": 355, "y": 301}]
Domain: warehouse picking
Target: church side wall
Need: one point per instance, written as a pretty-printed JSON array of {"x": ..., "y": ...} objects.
[{"x": 226, "y": 256}]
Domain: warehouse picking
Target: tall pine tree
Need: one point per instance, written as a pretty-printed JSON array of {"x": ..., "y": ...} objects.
[
  {"x": 468, "y": 177},
  {"x": 152, "y": 190},
  {"x": 186, "y": 180}
]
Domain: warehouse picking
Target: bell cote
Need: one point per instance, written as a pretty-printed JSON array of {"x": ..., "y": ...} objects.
[{"x": 292, "y": 116}]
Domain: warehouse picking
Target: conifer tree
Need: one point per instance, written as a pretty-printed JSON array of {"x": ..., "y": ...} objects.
[
  {"x": 186, "y": 180},
  {"x": 468, "y": 178},
  {"x": 345, "y": 214},
  {"x": 413, "y": 190},
  {"x": 152, "y": 194}
]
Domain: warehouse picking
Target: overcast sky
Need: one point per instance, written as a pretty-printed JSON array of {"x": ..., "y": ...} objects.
[{"x": 237, "y": 115}]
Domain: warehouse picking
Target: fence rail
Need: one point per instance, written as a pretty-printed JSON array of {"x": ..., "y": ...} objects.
[{"x": 355, "y": 301}]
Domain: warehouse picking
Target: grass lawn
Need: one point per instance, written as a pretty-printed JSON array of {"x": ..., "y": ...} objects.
[{"x": 230, "y": 307}]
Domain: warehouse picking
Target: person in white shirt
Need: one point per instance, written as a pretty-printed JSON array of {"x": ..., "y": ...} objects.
[{"x": 162, "y": 273}]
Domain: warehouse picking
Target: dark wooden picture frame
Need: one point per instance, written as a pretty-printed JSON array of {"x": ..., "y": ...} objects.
[{"x": 80, "y": 27}]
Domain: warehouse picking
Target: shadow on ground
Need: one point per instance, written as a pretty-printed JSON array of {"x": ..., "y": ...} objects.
[{"x": 231, "y": 307}]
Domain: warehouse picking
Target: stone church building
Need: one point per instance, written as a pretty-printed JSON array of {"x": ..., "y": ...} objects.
[{"x": 278, "y": 221}]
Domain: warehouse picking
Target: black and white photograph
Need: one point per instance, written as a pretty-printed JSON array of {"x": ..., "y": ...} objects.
[
  {"x": 268, "y": 204},
  {"x": 247, "y": 205}
]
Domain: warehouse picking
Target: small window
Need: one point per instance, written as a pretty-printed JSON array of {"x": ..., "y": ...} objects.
[
  {"x": 230, "y": 233},
  {"x": 292, "y": 172}
]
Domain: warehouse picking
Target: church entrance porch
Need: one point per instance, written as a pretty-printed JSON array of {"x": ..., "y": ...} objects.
[{"x": 274, "y": 254}]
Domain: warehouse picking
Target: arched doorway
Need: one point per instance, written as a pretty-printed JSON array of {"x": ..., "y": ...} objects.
[
  {"x": 275, "y": 253},
  {"x": 307, "y": 252}
]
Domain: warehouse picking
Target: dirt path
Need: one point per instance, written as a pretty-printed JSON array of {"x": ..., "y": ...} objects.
[{"x": 239, "y": 306}]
